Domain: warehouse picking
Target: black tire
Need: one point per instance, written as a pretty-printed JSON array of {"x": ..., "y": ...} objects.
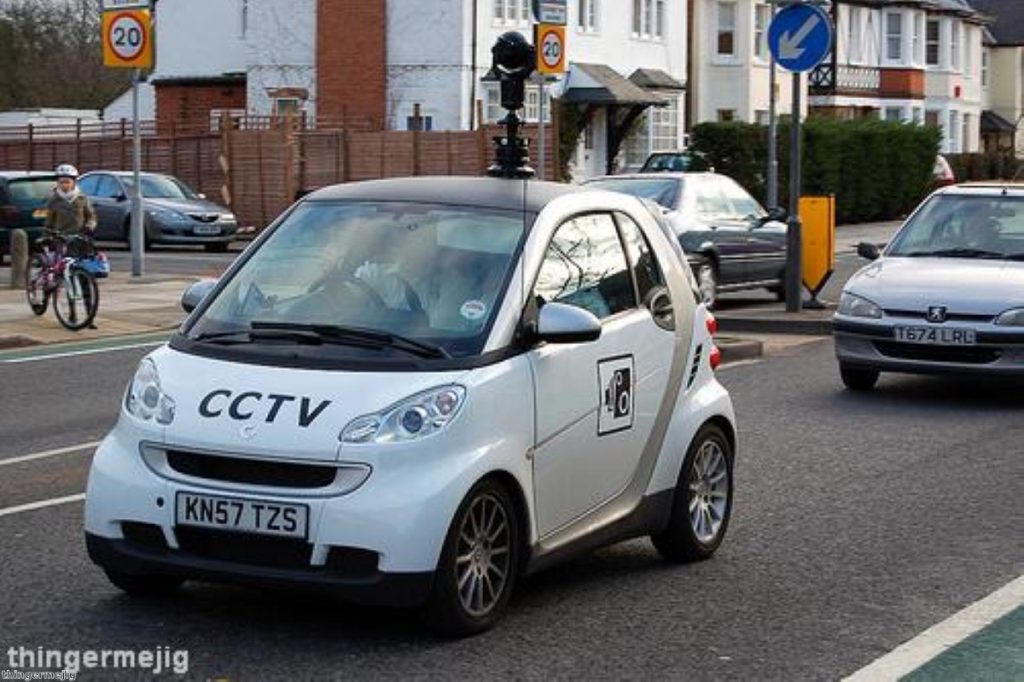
[
  {"x": 147, "y": 241},
  {"x": 216, "y": 247},
  {"x": 445, "y": 612},
  {"x": 707, "y": 282},
  {"x": 778, "y": 292},
  {"x": 680, "y": 542},
  {"x": 81, "y": 304},
  {"x": 143, "y": 585},
  {"x": 858, "y": 379},
  {"x": 35, "y": 291}
]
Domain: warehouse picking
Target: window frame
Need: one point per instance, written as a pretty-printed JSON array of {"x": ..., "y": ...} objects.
[
  {"x": 721, "y": 31},
  {"x": 929, "y": 44},
  {"x": 890, "y": 36}
]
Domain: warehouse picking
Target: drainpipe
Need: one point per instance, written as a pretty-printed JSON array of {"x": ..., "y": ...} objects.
[{"x": 472, "y": 67}]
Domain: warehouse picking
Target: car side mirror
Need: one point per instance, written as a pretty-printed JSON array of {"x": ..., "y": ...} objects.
[
  {"x": 563, "y": 323},
  {"x": 868, "y": 251},
  {"x": 121, "y": 197},
  {"x": 776, "y": 214},
  {"x": 201, "y": 195},
  {"x": 195, "y": 293}
]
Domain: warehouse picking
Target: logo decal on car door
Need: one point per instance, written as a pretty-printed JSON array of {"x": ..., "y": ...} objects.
[{"x": 616, "y": 377}]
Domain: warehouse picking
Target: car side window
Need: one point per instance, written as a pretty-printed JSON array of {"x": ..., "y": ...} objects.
[
  {"x": 88, "y": 185},
  {"x": 108, "y": 188},
  {"x": 585, "y": 266},
  {"x": 743, "y": 205},
  {"x": 646, "y": 271}
]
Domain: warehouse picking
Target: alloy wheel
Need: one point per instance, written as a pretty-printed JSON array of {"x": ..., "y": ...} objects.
[
  {"x": 483, "y": 555},
  {"x": 709, "y": 491}
]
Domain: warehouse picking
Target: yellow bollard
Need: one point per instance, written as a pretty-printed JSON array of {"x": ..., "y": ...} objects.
[{"x": 19, "y": 258}]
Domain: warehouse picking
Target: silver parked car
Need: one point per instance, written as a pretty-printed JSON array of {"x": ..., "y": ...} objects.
[
  {"x": 947, "y": 294},
  {"x": 174, "y": 213}
]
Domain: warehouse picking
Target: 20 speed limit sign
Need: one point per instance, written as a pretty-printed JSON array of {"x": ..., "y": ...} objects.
[
  {"x": 550, "y": 41},
  {"x": 128, "y": 39}
]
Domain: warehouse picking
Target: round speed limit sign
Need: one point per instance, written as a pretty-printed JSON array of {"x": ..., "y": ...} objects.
[
  {"x": 126, "y": 39},
  {"x": 551, "y": 49}
]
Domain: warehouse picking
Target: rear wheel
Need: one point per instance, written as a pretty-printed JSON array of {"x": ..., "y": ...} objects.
[
  {"x": 143, "y": 585},
  {"x": 76, "y": 300},
  {"x": 702, "y": 503},
  {"x": 35, "y": 284},
  {"x": 478, "y": 564},
  {"x": 858, "y": 379}
]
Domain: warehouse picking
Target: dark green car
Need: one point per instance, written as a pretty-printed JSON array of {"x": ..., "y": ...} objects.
[{"x": 23, "y": 197}]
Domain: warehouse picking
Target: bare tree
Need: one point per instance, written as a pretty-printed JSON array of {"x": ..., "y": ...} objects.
[{"x": 51, "y": 51}]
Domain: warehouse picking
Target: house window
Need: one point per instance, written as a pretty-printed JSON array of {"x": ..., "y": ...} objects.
[
  {"x": 494, "y": 111},
  {"x": 524, "y": 11},
  {"x": 968, "y": 52},
  {"x": 726, "y": 115},
  {"x": 984, "y": 67},
  {"x": 532, "y": 104},
  {"x": 726, "y": 29},
  {"x": 894, "y": 114},
  {"x": 762, "y": 18},
  {"x": 954, "y": 46},
  {"x": 932, "y": 42},
  {"x": 953, "y": 132},
  {"x": 589, "y": 11},
  {"x": 649, "y": 18},
  {"x": 286, "y": 105},
  {"x": 931, "y": 118},
  {"x": 894, "y": 37},
  {"x": 761, "y": 117},
  {"x": 499, "y": 10},
  {"x": 244, "y": 18},
  {"x": 424, "y": 123},
  {"x": 917, "y": 115},
  {"x": 853, "y": 34},
  {"x": 659, "y": 18},
  {"x": 665, "y": 126},
  {"x": 511, "y": 11},
  {"x": 915, "y": 49},
  {"x": 638, "y": 10},
  {"x": 965, "y": 137}
]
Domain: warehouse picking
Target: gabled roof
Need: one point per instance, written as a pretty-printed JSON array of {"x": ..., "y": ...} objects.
[
  {"x": 1007, "y": 26},
  {"x": 601, "y": 84},
  {"x": 991, "y": 122},
  {"x": 655, "y": 79}
]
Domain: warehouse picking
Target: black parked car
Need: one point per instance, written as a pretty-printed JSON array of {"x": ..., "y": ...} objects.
[
  {"x": 174, "y": 213},
  {"x": 23, "y": 197},
  {"x": 732, "y": 243}
]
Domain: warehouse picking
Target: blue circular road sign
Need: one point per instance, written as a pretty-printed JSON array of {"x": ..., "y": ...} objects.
[{"x": 800, "y": 36}]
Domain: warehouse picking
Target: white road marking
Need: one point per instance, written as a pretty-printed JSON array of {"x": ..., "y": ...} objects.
[
  {"x": 48, "y": 453},
  {"x": 934, "y": 641},
  {"x": 88, "y": 351},
  {"x": 42, "y": 504}
]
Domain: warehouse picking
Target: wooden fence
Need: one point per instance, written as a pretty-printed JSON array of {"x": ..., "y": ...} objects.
[{"x": 259, "y": 165}]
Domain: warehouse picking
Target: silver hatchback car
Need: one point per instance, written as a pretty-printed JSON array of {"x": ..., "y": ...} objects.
[{"x": 947, "y": 294}]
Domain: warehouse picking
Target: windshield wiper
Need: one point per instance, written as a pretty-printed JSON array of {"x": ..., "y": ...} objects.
[
  {"x": 326, "y": 333},
  {"x": 961, "y": 252}
]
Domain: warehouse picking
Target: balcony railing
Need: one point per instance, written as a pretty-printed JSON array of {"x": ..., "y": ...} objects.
[{"x": 827, "y": 79}]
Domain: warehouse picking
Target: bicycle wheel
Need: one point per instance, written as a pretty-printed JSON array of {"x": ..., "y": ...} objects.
[
  {"x": 35, "y": 284},
  {"x": 76, "y": 300}
]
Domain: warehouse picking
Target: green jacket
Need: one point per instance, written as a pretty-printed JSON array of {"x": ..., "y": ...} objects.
[{"x": 69, "y": 217}]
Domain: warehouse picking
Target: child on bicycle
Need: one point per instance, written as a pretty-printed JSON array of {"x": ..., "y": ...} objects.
[{"x": 69, "y": 212}]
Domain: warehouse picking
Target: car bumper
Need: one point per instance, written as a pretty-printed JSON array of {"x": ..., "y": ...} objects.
[
  {"x": 165, "y": 237},
  {"x": 873, "y": 345}
]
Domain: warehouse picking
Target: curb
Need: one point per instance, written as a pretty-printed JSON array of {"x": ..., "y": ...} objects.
[
  {"x": 18, "y": 341},
  {"x": 734, "y": 350},
  {"x": 772, "y": 325}
]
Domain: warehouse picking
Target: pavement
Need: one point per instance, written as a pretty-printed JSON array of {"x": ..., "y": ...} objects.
[{"x": 860, "y": 522}]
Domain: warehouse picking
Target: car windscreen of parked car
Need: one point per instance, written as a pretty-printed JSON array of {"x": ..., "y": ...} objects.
[
  {"x": 429, "y": 272},
  {"x": 161, "y": 187},
  {"x": 964, "y": 226},
  {"x": 30, "y": 190},
  {"x": 662, "y": 191}
]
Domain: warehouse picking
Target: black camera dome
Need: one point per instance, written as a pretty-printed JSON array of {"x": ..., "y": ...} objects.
[{"x": 513, "y": 55}]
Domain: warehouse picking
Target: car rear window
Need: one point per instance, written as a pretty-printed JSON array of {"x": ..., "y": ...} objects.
[
  {"x": 662, "y": 191},
  {"x": 30, "y": 190}
]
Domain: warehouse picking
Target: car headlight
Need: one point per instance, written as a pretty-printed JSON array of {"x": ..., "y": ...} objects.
[
  {"x": 167, "y": 215},
  {"x": 146, "y": 399},
  {"x": 855, "y": 306},
  {"x": 228, "y": 218},
  {"x": 418, "y": 416},
  {"x": 1011, "y": 318}
]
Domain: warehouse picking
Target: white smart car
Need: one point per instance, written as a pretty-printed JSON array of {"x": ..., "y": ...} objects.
[{"x": 415, "y": 391}]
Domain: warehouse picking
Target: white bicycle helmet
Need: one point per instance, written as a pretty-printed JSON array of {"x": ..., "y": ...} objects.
[{"x": 66, "y": 170}]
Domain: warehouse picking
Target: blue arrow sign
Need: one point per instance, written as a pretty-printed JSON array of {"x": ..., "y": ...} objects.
[{"x": 800, "y": 36}]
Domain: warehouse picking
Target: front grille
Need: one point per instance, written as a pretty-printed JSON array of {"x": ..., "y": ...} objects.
[
  {"x": 950, "y": 316},
  {"x": 251, "y": 471},
  {"x": 245, "y": 548},
  {"x": 968, "y": 355},
  {"x": 204, "y": 217},
  {"x": 146, "y": 535}
]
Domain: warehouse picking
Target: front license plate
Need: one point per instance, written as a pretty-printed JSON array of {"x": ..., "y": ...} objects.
[
  {"x": 39, "y": 213},
  {"x": 242, "y": 515},
  {"x": 206, "y": 229},
  {"x": 941, "y": 336}
]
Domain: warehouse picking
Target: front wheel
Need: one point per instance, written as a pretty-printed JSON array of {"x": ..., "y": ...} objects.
[
  {"x": 478, "y": 564},
  {"x": 35, "y": 284},
  {"x": 76, "y": 300},
  {"x": 702, "y": 503},
  {"x": 857, "y": 379}
]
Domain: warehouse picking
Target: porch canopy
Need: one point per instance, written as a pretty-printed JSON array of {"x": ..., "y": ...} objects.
[{"x": 595, "y": 86}]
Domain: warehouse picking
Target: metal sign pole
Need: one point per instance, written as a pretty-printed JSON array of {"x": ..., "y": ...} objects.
[
  {"x": 541, "y": 133},
  {"x": 794, "y": 238},
  {"x": 137, "y": 236},
  {"x": 773, "y": 134}
]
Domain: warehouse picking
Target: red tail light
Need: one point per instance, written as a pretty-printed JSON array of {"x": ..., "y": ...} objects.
[
  {"x": 715, "y": 358},
  {"x": 712, "y": 324}
]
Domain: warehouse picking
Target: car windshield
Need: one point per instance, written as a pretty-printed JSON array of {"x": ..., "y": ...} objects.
[
  {"x": 674, "y": 162},
  {"x": 427, "y": 274},
  {"x": 964, "y": 226},
  {"x": 662, "y": 191},
  {"x": 30, "y": 191},
  {"x": 160, "y": 187}
]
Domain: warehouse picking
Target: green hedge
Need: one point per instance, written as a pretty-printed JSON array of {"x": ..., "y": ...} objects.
[
  {"x": 986, "y": 166},
  {"x": 877, "y": 170}
]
